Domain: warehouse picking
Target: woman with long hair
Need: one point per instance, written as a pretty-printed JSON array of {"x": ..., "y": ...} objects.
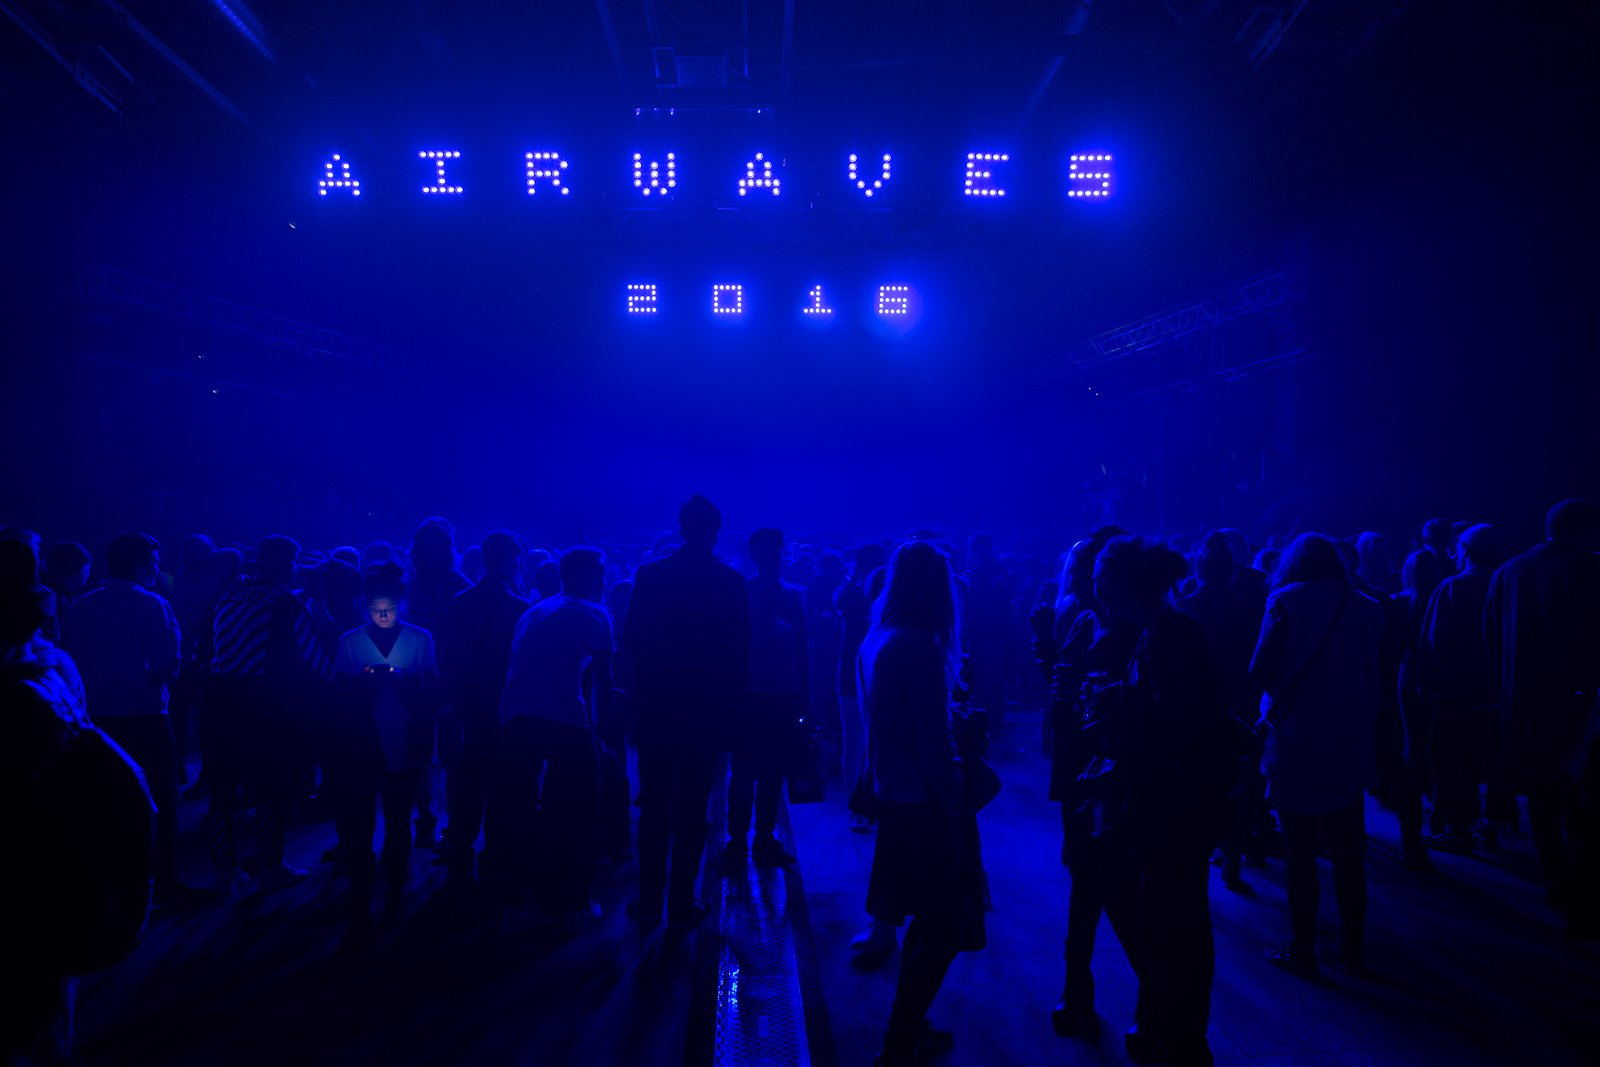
[
  {"x": 1317, "y": 662},
  {"x": 926, "y": 863}
]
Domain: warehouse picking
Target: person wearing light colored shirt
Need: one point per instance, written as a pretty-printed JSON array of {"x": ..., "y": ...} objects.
[
  {"x": 124, "y": 638},
  {"x": 541, "y": 827}
]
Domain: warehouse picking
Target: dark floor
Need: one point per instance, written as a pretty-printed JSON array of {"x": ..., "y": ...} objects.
[
  {"x": 266, "y": 982},
  {"x": 1471, "y": 968}
]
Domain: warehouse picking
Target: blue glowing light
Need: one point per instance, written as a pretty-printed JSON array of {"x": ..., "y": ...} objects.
[
  {"x": 980, "y": 173},
  {"x": 441, "y": 184},
  {"x": 894, "y": 300},
  {"x": 727, "y": 300},
  {"x": 343, "y": 180},
  {"x": 817, "y": 307},
  {"x": 767, "y": 180},
  {"x": 654, "y": 182},
  {"x": 861, "y": 183},
  {"x": 642, "y": 298},
  {"x": 546, "y": 167},
  {"x": 1089, "y": 175}
]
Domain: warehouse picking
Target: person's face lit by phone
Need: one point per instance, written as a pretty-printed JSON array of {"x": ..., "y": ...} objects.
[{"x": 385, "y": 612}]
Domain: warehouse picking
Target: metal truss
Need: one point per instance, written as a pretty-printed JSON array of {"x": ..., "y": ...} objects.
[
  {"x": 1250, "y": 297},
  {"x": 1239, "y": 372},
  {"x": 107, "y": 286}
]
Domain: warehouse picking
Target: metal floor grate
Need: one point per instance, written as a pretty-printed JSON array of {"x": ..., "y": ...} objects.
[{"x": 761, "y": 1019}]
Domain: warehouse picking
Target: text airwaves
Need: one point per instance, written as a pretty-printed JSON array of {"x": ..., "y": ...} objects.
[
  {"x": 451, "y": 174},
  {"x": 893, "y": 302}
]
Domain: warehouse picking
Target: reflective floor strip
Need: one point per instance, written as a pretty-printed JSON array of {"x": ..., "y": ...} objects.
[{"x": 761, "y": 1018}]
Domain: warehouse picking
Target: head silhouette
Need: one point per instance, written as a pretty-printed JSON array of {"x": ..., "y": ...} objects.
[
  {"x": 134, "y": 557},
  {"x": 1436, "y": 535},
  {"x": 919, "y": 593},
  {"x": 66, "y": 567},
  {"x": 433, "y": 546},
  {"x": 1478, "y": 549},
  {"x": 699, "y": 522},
  {"x": 1133, "y": 578},
  {"x": 1575, "y": 523},
  {"x": 1310, "y": 558},
  {"x": 766, "y": 551},
  {"x": 276, "y": 559},
  {"x": 1214, "y": 565},
  {"x": 583, "y": 574},
  {"x": 502, "y": 555}
]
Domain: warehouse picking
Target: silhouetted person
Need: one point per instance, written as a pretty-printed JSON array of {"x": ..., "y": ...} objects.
[
  {"x": 66, "y": 572},
  {"x": 1376, "y": 562},
  {"x": 763, "y": 731},
  {"x": 987, "y": 631},
  {"x": 1230, "y": 623},
  {"x": 1419, "y": 577},
  {"x": 125, "y": 640},
  {"x": 547, "y": 579},
  {"x": 1543, "y": 628},
  {"x": 75, "y": 898},
  {"x": 855, "y": 619},
  {"x": 194, "y": 594},
  {"x": 388, "y": 675},
  {"x": 1075, "y": 590},
  {"x": 1434, "y": 559},
  {"x": 268, "y": 673},
  {"x": 226, "y": 566},
  {"x": 1317, "y": 660},
  {"x": 474, "y": 654},
  {"x": 435, "y": 578},
  {"x": 1154, "y": 789},
  {"x": 688, "y": 633},
  {"x": 616, "y": 789},
  {"x": 824, "y": 632},
  {"x": 1456, "y": 679},
  {"x": 1231, "y": 626},
  {"x": 1080, "y": 655},
  {"x": 541, "y": 833},
  {"x": 925, "y": 862},
  {"x": 21, "y": 570}
]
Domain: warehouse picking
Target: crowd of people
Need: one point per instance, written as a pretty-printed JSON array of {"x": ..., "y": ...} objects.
[{"x": 1206, "y": 705}]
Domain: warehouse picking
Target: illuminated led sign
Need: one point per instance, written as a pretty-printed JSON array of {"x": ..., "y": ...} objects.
[
  {"x": 861, "y": 181},
  {"x": 549, "y": 168},
  {"x": 441, "y": 183},
  {"x": 891, "y": 302},
  {"x": 1090, "y": 175}
]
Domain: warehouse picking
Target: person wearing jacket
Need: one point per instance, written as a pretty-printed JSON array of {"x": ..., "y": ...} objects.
[{"x": 1317, "y": 660}]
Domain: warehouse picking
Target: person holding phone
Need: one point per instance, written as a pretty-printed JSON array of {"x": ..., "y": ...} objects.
[{"x": 388, "y": 672}]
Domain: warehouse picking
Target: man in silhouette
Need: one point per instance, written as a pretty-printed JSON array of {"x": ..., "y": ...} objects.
[
  {"x": 474, "y": 653},
  {"x": 267, "y": 667},
  {"x": 688, "y": 633},
  {"x": 777, "y": 699},
  {"x": 1543, "y": 625},
  {"x": 1456, "y": 680},
  {"x": 435, "y": 578},
  {"x": 542, "y": 831},
  {"x": 124, "y": 637}
]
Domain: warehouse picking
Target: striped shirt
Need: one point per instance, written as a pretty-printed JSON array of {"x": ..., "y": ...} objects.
[{"x": 264, "y": 630}]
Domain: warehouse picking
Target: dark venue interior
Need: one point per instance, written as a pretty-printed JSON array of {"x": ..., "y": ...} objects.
[{"x": 800, "y": 532}]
